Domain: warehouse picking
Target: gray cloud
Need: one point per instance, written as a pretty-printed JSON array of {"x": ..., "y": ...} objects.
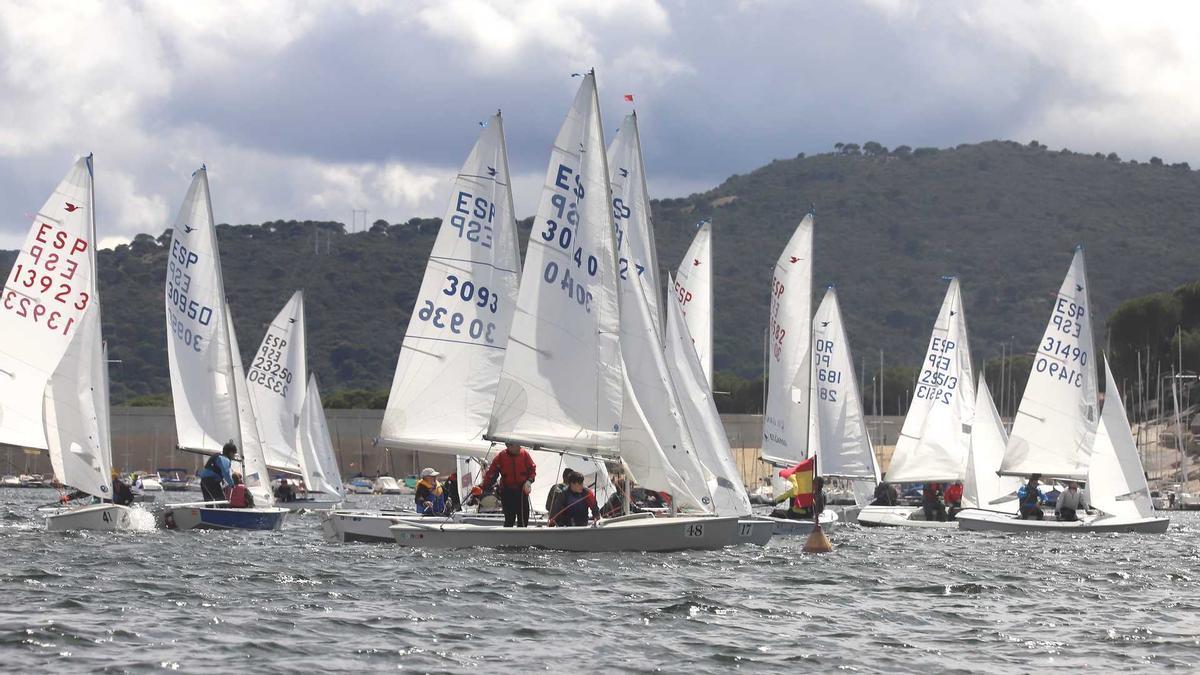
[{"x": 309, "y": 110}]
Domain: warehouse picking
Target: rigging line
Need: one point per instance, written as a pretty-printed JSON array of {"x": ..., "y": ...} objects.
[
  {"x": 473, "y": 262},
  {"x": 457, "y": 342}
]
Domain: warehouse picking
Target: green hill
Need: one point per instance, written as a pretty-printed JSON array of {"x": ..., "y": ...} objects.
[{"x": 1003, "y": 216}]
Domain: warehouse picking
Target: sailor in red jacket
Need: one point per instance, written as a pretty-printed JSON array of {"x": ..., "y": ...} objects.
[{"x": 516, "y": 470}]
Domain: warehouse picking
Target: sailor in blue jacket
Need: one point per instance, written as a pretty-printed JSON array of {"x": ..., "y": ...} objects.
[{"x": 217, "y": 471}]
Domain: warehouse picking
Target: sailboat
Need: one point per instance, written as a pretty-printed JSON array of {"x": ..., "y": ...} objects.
[
  {"x": 321, "y": 473},
  {"x": 53, "y": 355},
  {"x": 936, "y": 435},
  {"x": 693, "y": 290},
  {"x": 208, "y": 383},
  {"x": 449, "y": 364},
  {"x": 982, "y": 488},
  {"x": 837, "y": 433},
  {"x": 562, "y": 384},
  {"x": 1058, "y": 434},
  {"x": 277, "y": 381},
  {"x": 668, "y": 444},
  {"x": 787, "y": 419}
]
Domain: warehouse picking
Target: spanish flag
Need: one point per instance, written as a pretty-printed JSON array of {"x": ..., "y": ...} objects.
[{"x": 800, "y": 477}]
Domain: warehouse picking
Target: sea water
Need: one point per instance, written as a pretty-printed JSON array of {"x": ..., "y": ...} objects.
[{"x": 885, "y": 600}]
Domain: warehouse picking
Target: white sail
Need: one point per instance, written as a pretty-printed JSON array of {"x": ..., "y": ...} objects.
[
  {"x": 981, "y": 486},
  {"x": 198, "y": 351},
  {"x": 838, "y": 434},
  {"x": 785, "y": 422},
  {"x": 694, "y": 290},
  {"x": 703, "y": 421},
  {"x": 637, "y": 255},
  {"x": 561, "y": 385},
  {"x": 449, "y": 365},
  {"x": 550, "y": 466},
  {"x": 655, "y": 442},
  {"x": 1056, "y": 423},
  {"x": 316, "y": 447},
  {"x": 76, "y": 409},
  {"x": 50, "y": 286},
  {"x": 254, "y": 462},
  {"x": 937, "y": 430},
  {"x": 276, "y": 379},
  {"x": 1116, "y": 480}
]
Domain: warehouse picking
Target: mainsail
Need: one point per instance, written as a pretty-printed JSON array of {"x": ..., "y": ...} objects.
[
  {"x": 198, "y": 349},
  {"x": 982, "y": 488},
  {"x": 693, "y": 289},
  {"x": 276, "y": 379},
  {"x": 937, "y": 430},
  {"x": 703, "y": 421},
  {"x": 49, "y": 288},
  {"x": 316, "y": 447},
  {"x": 449, "y": 365},
  {"x": 637, "y": 255},
  {"x": 785, "y": 423},
  {"x": 1056, "y": 423},
  {"x": 838, "y": 434},
  {"x": 561, "y": 384},
  {"x": 1116, "y": 479}
]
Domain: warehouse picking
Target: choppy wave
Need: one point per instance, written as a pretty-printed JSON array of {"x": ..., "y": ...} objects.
[{"x": 885, "y": 600}]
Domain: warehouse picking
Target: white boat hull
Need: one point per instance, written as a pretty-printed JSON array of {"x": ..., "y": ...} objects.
[
  {"x": 310, "y": 505},
  {"x": 104, "y": 517},
  {"x": 753, "y": 530},
  {"x": 788, "y": 527},
  {"x": 846, "y": 513},
  {"x": 627, "y": 533},
  {"x": 195, "y": 517},
  {"x": 372, "y": 526},
  {"x": 900, "y": 516},
  {"x": 979, "y": 520}
]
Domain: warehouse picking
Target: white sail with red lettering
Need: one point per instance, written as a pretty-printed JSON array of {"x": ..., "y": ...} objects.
[
  {"x": 693, "y": 288},
  {"x": 49, "y": 288},
  {"x": 786, "y": 421}
]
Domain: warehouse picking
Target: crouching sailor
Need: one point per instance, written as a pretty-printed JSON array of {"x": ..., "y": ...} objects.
[
  {"x": 239, "y": 495},
  {"x": 575, "y": 506},
  {"x": 431, "y": 496},
  {"x": 217, "y": 471}
]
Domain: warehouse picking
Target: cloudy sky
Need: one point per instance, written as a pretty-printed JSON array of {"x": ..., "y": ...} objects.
[{"x": 311, "y": 109}]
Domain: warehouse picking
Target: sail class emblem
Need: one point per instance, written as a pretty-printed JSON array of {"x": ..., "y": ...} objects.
[
  {"x": 188, "y": 228},
  {"x": 624, "y": 173},
  {"x": 71, "y": 207},
  {"x": 695, "y": 262},
  {"x": 292, "y": 320},
  {"x": 824, "y": 324},
  {"x": 794, "y": 259},
  {"x": 491, "y": 171},
  {"x": 1078, "y": 288}
]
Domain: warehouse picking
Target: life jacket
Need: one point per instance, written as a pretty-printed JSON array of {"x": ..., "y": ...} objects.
[
  {"x": 953, "y": 494},
  {"x": 576, "y": 508},
  {"x": 214, "y": 468},
  {"x": 237, "y": 497},
  {"x": 430, "y": 493},
  {"x": 122, "y": 495}
]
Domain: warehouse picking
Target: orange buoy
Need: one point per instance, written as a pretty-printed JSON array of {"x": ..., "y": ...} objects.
[{"x": 817, "y": 542}]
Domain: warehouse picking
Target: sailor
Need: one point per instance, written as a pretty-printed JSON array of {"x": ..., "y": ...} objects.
[
  {"x": 561, "y": 487},
  {"x": 573, "y": 506},
  {"x": 516, "y": 470},
  {"x": 931, "y": 502},
  {"x": 217, "y": 471},
  {"x": 122, "y": 495},
  {"x": 885, "y": 495},
  {"x": 239, "y": 496},
  {"x": 450, "y": 487},
  {"x": 953, "y": 498},
  {"x": 1027, "y": 499},
  {"x": 285, "y": 492},
  {"x": 1069, "y": 503},
  {"x": 801, "y": 508},
  {"x": 430, "y": 497},
  {"x": 135, "y": 485}
]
